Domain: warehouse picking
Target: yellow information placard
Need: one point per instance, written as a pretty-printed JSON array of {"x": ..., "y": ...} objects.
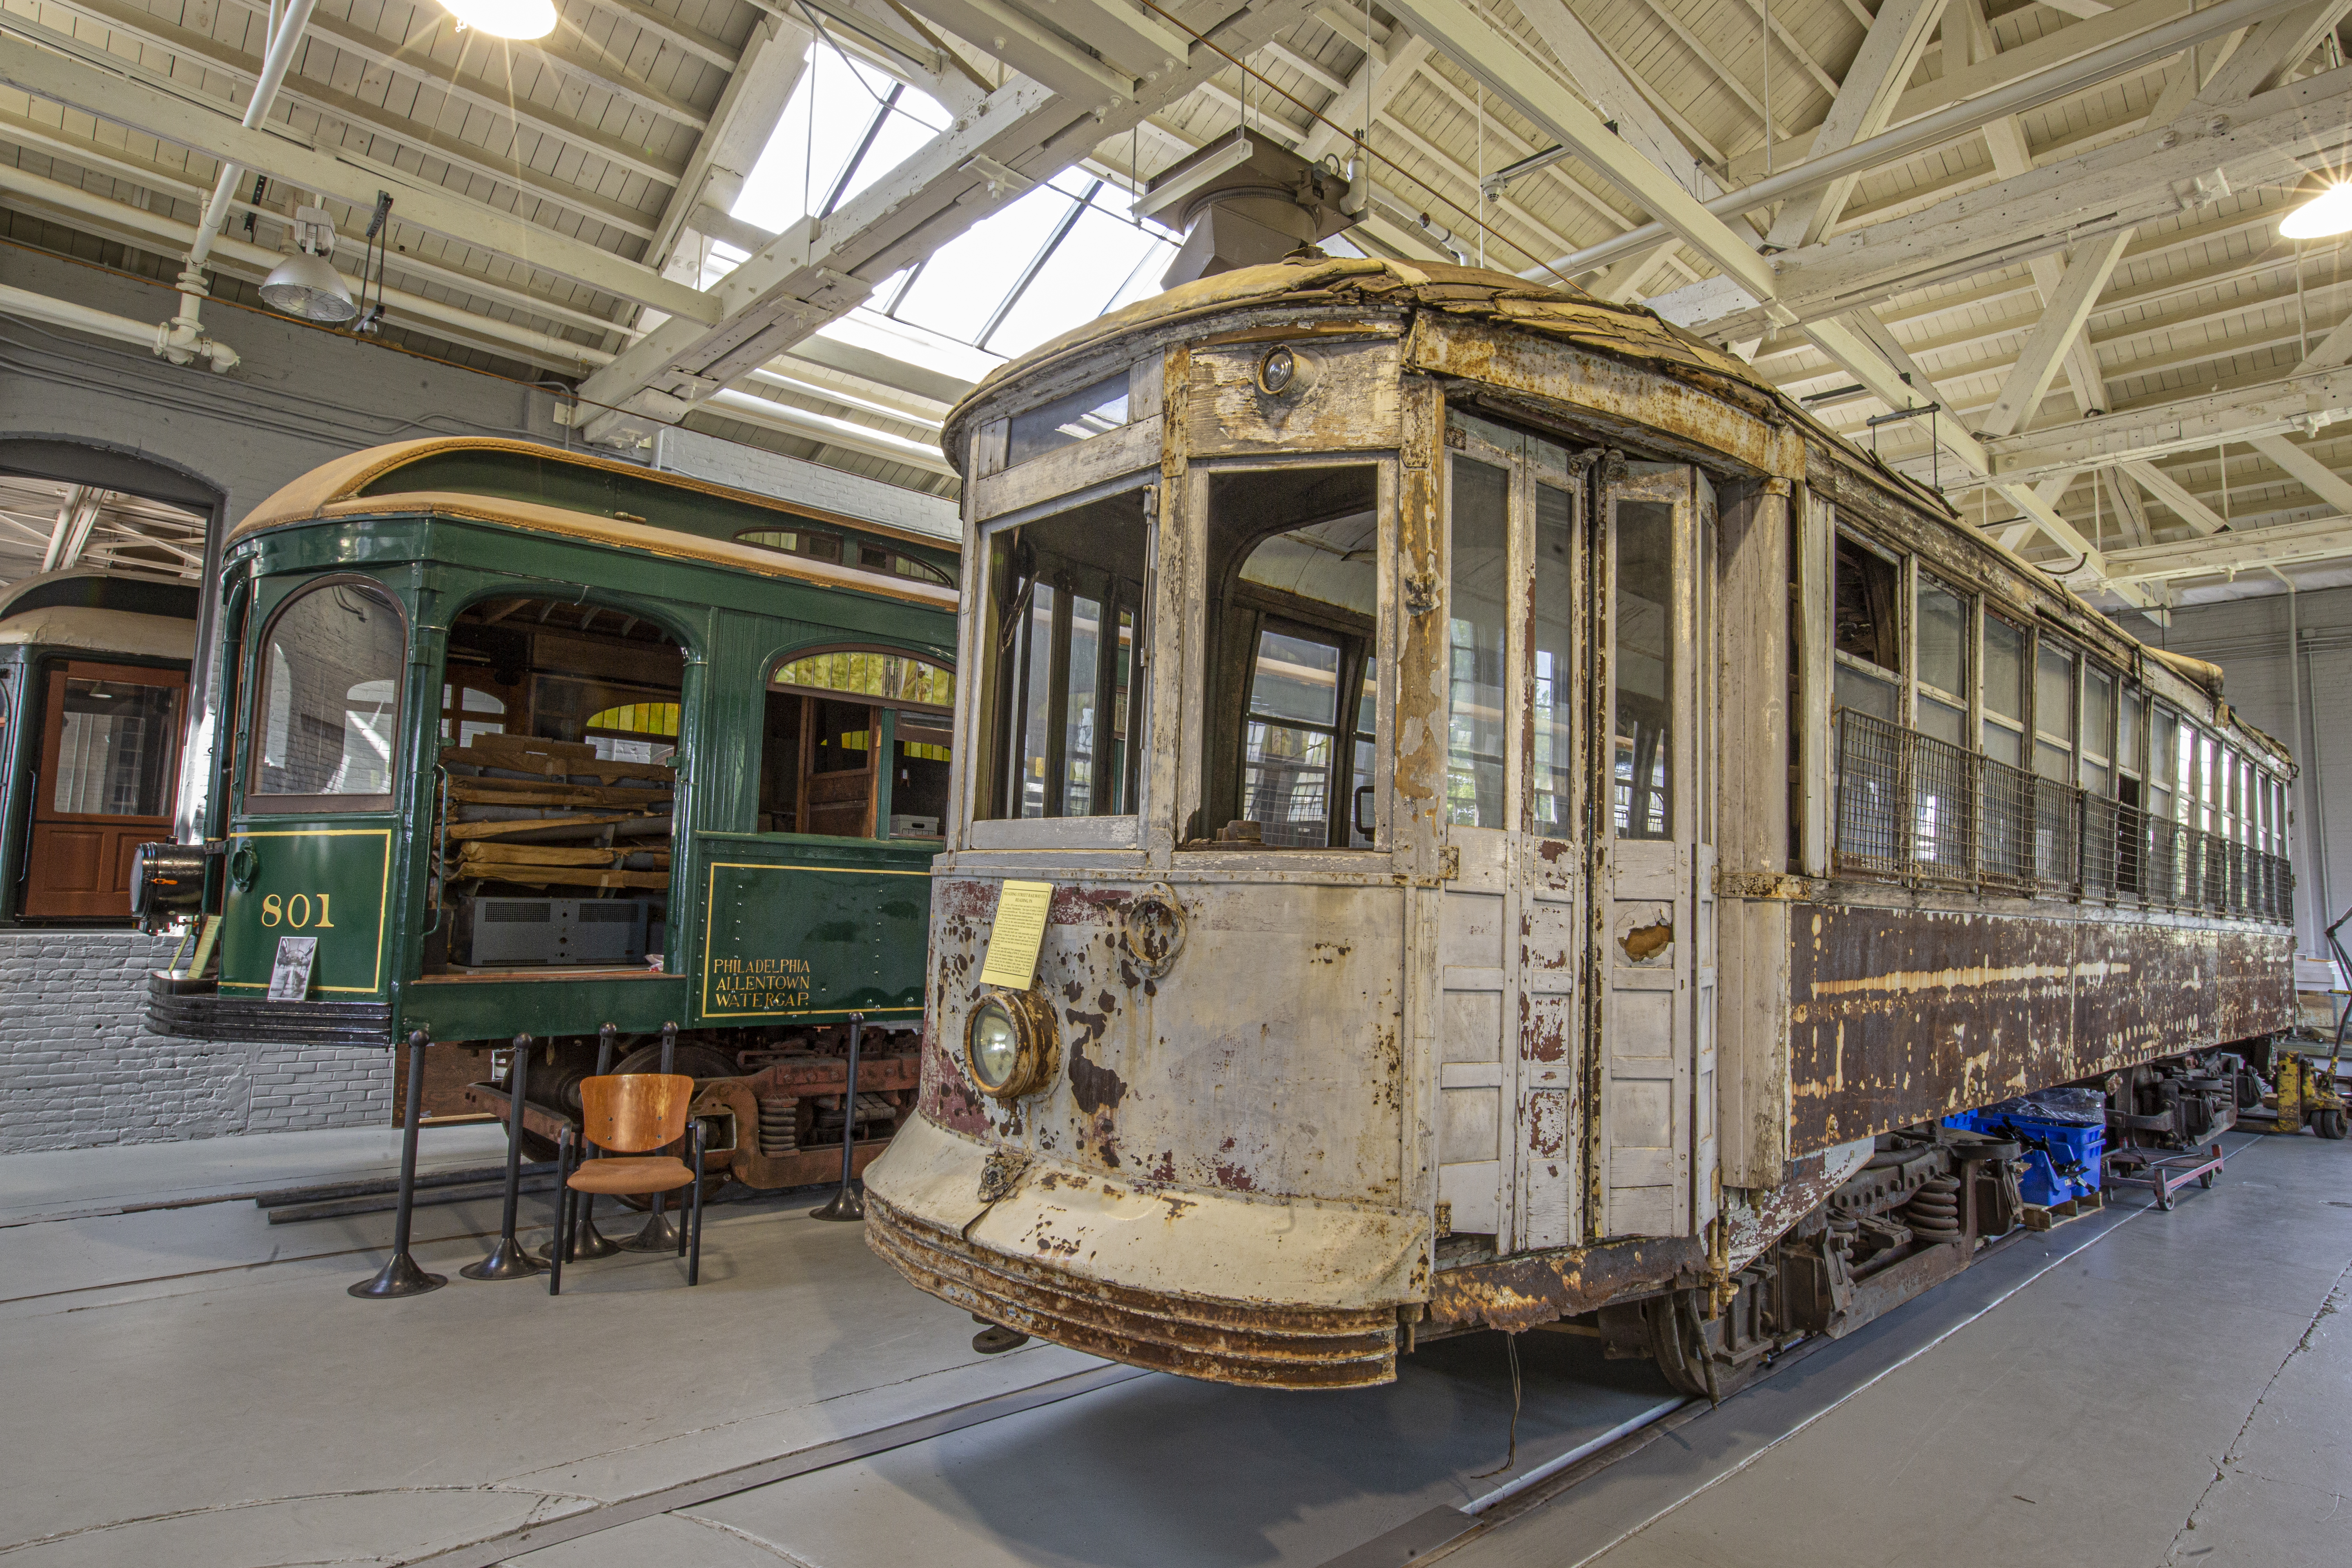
[{"x": 1019, "y": 932}]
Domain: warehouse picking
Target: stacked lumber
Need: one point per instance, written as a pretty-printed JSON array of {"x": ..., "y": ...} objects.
[{"x": 552, "y": 814}]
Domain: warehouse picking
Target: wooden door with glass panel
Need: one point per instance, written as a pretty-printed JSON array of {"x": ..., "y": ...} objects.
[
  {"x": 1511, "y": 928},
  {"x": 110, "y": 757},
  {"x": 1654, "y": 634}
]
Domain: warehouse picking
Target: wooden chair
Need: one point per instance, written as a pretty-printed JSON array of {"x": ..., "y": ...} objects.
[{"x": 625, "y": 1116}]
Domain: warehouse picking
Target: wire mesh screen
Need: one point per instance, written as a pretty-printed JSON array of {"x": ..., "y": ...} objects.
[
  {"x": 1914, "y": 809},
  {"x": 1870, "y": 838}
]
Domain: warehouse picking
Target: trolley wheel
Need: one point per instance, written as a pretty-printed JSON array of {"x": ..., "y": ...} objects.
[
  {"x": 2205, "y": 1179},
  {"x": 2331, "y": 1124},
  {"x": 2163, "y": 1195}
]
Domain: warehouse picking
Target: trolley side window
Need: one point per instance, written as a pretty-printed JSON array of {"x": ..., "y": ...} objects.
[
  {"x": 326, "y": 714},
  {"x": 856, "y": 746},
  {"x": 1868, "y": 628},
  {"x": 1063, "y": 701}
]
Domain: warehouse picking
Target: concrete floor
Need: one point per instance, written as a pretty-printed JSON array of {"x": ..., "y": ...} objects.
[{"x": 191, "y": 1385}]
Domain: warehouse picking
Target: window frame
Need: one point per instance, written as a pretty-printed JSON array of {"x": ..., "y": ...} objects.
[
  {"x": 256, "y": 726},
  {"x": 1900, "y": 680},
  {"x": 2023, "y": 725},
  {"x": 986, "y": 697}
]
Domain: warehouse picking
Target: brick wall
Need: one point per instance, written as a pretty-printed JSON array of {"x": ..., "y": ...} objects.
[{"x": 77, "y": 1066}]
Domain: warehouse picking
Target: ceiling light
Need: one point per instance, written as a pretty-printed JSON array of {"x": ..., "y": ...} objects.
[
  {"x": 505, "y": 18},
  {"x": 306, "y": 283},
  {"x": 309, "y": 286},
  {"x": 2329, "y": 212}
]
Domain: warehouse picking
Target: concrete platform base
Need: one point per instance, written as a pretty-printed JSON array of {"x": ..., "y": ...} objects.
[{"x": 191, "y": 1385}]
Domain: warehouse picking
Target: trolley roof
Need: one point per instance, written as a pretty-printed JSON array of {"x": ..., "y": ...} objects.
[
  {"x": 1632, "y": 333},
  {"x": 368, "y": 483}
]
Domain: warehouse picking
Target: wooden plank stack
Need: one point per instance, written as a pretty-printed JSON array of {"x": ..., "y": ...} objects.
[{"x": 544, "y": 813}]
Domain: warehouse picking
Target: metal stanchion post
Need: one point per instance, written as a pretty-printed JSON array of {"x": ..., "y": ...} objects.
[
  {"x": 400, "y": 1275},
  {"x": 847, "y": 1203},
  {"x": 587, "y": 1241},
  {"x": 508, "y": 1260},
  {"x": 659, "y": 1234}
]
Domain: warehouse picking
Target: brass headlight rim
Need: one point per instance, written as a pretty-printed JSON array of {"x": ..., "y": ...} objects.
[{"x": 1032, "y": 1018}]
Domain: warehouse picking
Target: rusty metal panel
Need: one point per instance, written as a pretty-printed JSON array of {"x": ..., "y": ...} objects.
[
  {"x": 1342, "y": 396},
  {"x": 1612, "y": 391},
  {"x": 1284, "y": 1074},
  {"x": 1516, "y": 1293},
  {"x": 1904, "y": 1014}
]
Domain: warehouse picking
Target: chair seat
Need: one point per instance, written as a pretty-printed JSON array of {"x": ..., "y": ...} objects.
[{"x": 649, "y": 1174}]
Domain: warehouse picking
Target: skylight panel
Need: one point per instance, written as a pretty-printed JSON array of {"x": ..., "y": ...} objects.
[
  {"x": 966, "y": 279},
  {"x": 1095, "y": 263},
  {"x": 831, "y": 116}
]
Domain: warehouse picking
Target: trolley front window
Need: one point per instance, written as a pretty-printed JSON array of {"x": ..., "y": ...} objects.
[
  {"x": 1293, "y": 571},
  {"x": 1065, "y": 701},
  {"x": 325, "y": 717}
]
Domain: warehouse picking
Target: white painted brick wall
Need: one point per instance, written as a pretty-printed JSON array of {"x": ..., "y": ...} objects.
[
  {"x": 701, "y": 457},
  {"x": 77, "y": 1066}
]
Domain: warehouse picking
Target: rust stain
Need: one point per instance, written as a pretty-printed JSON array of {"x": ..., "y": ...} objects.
[
  {"x": 1643, "y": 942},
  {"x": 1516, "y": 1293},
  {"x": 1895, "y": 1017},
  {"x": 1233, "y": 1177}
]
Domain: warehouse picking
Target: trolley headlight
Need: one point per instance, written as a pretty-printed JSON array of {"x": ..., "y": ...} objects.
[{"x": 1008, "y": 1044}]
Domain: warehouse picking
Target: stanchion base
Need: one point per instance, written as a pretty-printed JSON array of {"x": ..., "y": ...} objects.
[
  {"x": 508, "y": 1260},
  {"x": 846, "y": 1204},
  {"x": 587, "y": 1243},
  {"x": 401, "y": 1276},
  {"x": 659, "y": 1236}
]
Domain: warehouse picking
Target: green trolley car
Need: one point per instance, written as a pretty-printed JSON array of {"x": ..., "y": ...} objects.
[
  {"x": 93, "y": 673},
  {"x": 521, "y": 741}
]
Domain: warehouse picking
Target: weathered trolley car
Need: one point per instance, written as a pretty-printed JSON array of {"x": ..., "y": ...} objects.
[
  {"x": 93, "y": 686},
  {"x": 1575, "y": 830},
  {"x": 536, "y": 742}
]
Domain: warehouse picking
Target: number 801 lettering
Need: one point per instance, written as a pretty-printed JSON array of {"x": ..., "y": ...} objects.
[{"x": 297, "y": 911}]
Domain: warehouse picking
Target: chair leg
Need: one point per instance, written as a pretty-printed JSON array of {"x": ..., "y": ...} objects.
[
  {"x": 694, "y": 1220},
  {"x": 563, "y": 1213}
]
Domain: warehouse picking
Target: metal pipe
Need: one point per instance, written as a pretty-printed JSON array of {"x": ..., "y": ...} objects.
[
  {"x": 275, "y": 64},
  {"x": 2120, "y": 57},
  {"x": 659, "y": 1234},
  {"x": 508, "y": 1260},
  {"x": 847, "y": 1203},
  {"x": 400, "y": 1275}
]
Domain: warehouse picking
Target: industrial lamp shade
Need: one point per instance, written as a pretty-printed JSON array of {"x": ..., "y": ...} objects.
[
  {"x": 505, "y": 18},
  {"x": 309, "y": 286},
  {"x": 2329, "y": 212}
]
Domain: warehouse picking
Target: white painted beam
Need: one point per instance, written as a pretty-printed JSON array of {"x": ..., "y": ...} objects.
[
  {"x": 2087, "y": 274},
  {"x": 1888, "y": 57},
  {"x": 2242, "y": 414},
  {"x": 2240, "y": 549},
  {"x": 2201, "y": 517},
  {"x": 2142, "y": 178},
  {"x": 2309, "y": 472},
  {"x": 1494, "y": 61},
  {"x": 2134, "y": 54},
  {"x": 138, "y": 107}
]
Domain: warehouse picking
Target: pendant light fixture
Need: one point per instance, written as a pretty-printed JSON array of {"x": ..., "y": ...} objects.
[
  {"x": 505, "y": 18},
  {"x": 2328, "y": 213},
  {"x": 306, "y": 283}
]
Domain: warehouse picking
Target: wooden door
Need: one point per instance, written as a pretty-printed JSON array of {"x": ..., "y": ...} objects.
[
  {"x": 1511, "y": 927},
  {"x": 109, "y": 762},
  {"x": 1656, "y": 924},
  {"x": 838, "y": 742}
]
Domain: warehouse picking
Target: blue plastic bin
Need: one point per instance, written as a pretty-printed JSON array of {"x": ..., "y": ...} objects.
[{"x": 2062, "y": 1159}]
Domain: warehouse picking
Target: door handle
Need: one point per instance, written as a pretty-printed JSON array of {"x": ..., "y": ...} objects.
[{"x": 1356, "y": 810}]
